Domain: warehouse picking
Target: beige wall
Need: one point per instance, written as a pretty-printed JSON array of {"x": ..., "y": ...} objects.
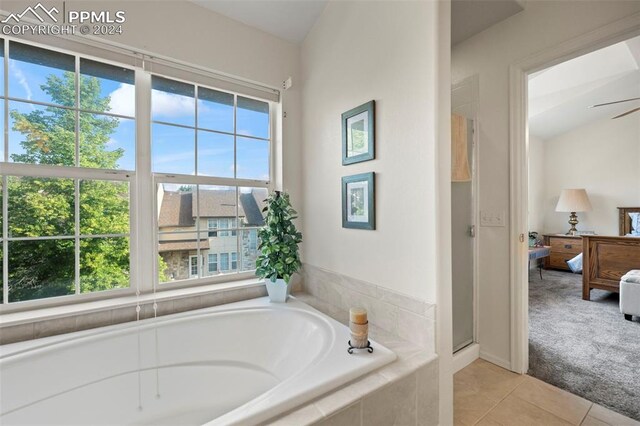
[
  {"x": 356, "y": 52},
  {"x": 537, "y": 184},
  {"x": 542, "y": 25},
  {"x": 608, "y": 167}
]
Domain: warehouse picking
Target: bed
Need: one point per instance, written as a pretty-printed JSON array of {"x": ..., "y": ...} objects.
[{"x": 607, "y": 259}]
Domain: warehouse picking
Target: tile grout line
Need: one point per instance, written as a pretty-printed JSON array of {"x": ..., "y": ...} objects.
[
  {"x": 544, "y": 409},
  {"x": 587, "y": 413},
  {"x": 498, "y": 403}
]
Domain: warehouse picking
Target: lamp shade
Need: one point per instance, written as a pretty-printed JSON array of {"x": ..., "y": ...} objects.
[{"x": 573, "y": 200}]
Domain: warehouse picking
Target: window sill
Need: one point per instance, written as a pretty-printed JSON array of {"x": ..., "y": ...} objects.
[{"x": 11, "y": 319}]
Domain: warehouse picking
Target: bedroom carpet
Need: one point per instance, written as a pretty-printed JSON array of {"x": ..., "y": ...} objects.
[{"x": 584, "y": 347}]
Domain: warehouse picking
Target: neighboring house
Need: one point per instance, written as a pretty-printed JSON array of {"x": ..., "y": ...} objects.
[{"x": 222, "y": 250}]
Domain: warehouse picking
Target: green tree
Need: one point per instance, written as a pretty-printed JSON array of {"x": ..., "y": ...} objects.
[{"x": 46, "y": 206}]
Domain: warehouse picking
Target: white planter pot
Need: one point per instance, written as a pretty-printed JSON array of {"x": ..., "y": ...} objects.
[{"x": 278, "y": 291}]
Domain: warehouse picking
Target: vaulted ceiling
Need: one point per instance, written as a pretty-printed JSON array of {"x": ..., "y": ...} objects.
[
  {"x": 288, "y": 19},
  {"x": 560, "y": 97},
  {"x": 293, "y": 19}
]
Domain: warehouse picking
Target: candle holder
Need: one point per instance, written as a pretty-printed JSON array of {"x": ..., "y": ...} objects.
[
  {"x": 369, "y": 348},
  {"x": 359, "y": 327}
]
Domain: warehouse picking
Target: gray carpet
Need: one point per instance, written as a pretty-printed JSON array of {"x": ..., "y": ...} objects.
[{"x": 586, "y": 348}]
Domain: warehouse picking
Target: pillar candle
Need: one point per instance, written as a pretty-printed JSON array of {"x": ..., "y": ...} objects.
[
  {"x": 359, "y": 326},
  {"x": 358, "y": 315}
]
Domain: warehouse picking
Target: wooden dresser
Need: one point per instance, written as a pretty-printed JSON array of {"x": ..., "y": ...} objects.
[{"x": 563, "y": 248}]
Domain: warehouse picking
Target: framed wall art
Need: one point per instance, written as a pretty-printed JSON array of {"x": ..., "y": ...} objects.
[
  {"x": 358, "y": 201},
  {"x": 358, "y": 134}
]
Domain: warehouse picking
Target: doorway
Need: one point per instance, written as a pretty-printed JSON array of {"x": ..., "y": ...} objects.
[
  {"x": 464, "y": 102},
  {"x": 519, "y": 181},
  {"x": 521, "y": 206}
]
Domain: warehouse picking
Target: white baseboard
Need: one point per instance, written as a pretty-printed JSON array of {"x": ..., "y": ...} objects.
[
  {"x": 465, "y": 356},
  {"x": 496, "y": 360}
]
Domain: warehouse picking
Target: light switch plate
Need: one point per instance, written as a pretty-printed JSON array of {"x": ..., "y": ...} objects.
[{"x": 492, "y": 218}]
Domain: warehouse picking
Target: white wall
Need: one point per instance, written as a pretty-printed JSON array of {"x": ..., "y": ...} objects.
[
  {"x": 542, "y": 25},
  {"x": 537, "y": 184},
  {"x": 607, "y": 165},
  {"x": 356, "y": 52}
]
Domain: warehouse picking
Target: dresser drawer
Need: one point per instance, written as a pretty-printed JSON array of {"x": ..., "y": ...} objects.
[
  {"x": 565, "y": 245},
  {"x": 558, "y": 260}
]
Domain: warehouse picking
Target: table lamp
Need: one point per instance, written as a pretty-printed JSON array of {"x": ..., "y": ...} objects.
[{"x": 572, "y": 201}]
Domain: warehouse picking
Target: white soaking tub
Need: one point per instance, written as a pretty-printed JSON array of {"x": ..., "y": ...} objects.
[{"x": 241, "y": 363}]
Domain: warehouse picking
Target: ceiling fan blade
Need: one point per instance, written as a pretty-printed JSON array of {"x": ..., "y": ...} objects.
[
  {"x": 626, "y": 113},
  {"x": 614, "y": 102}
]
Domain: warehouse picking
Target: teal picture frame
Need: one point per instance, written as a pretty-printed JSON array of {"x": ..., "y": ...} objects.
[
  {"x": 358, "y": 134},
  {"x": 358, "y": 201}
]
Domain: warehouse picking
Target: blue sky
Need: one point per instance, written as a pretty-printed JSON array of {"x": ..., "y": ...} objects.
[{"x": 173, "y": 148}]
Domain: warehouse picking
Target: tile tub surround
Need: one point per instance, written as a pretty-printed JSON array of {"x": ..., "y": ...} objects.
[
  {"x": 17, "y": 330},
  {"x": 404, "y": 392},
  {"x": 409, "y": 318}
]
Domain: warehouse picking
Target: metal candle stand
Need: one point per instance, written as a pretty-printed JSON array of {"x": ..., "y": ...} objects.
[{"x": 369, "y": 348}]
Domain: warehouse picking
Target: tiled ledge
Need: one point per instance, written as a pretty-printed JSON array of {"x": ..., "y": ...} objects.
[
  {"x": 403, "y": 392},
  {"x": 409, "y": 318},
  {"x": 21, "y": 326}
]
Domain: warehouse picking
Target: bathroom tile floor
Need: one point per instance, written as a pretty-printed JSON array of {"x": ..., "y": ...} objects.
[{"x": 488, "y": 395}]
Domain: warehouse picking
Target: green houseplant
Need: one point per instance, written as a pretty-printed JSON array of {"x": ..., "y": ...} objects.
[{"x": 279, "y": 258}]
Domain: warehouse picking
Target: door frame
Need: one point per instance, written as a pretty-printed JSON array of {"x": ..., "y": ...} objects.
[{"x": 604, "y": 36}]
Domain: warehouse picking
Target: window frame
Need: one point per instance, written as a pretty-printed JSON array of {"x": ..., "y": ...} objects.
[
  {"x": 76, "y": 172},
  {"x": 197, "y": 265},
  {"x": 143, "y": 182},
  {"x": 209, "y": 262}
]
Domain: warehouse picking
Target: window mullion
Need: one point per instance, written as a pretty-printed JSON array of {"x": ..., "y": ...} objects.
[
  {"x": 200, "y": 272},
  {"x": 143, "y": 229},
  {"x": 5, "y": 190},
  {"x": 5, "y": 243},
  {"x": 5, "y": 70},
  {"x": 77, "y": 181}
]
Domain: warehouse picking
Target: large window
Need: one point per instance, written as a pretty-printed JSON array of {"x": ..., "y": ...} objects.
[
  {"x": 68, "y": 163},
  {"x": 70, "y": 179},
  {"x": 206, "y": 145}
]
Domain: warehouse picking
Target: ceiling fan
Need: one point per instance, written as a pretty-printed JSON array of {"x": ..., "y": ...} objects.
[{"x": 617, "y": 102}]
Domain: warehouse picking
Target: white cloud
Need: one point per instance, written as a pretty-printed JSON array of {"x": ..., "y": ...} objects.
[
  {"x": 123, "y": 100},
  {"x": 22, "y": 79},
  {"x": 173, "y": 157},
  {"x": 170, "y": 105}
]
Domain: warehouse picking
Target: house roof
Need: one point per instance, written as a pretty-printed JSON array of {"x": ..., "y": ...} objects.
[
  {"x": 182, "y": 245},
  {"x": 217, "y": 203},
  {"x": 252, "y": 208},
  {"x": 179, "y": 210},
  {"x": 176, "y": 209}
]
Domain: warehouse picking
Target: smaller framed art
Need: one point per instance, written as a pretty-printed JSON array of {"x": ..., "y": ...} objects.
[
  {"x": 358, "y": 201},
  {"x": 358, "y": 138}
]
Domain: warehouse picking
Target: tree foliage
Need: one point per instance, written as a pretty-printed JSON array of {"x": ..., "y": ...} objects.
[
  {"x": 279, "y": 239},
  {"x": 46, "y": 206}
]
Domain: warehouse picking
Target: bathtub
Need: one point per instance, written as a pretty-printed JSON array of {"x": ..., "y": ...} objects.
[{"x": 237, "y": 364}]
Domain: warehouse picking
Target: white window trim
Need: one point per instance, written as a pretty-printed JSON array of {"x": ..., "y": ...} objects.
[
  {"x": 191, "y": 257},
  {"x": 209, "y": 262},
  {"x": 143, "y": 183}
]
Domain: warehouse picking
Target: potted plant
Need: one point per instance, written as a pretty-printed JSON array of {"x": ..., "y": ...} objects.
[{"x": 278, "y": 259}]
